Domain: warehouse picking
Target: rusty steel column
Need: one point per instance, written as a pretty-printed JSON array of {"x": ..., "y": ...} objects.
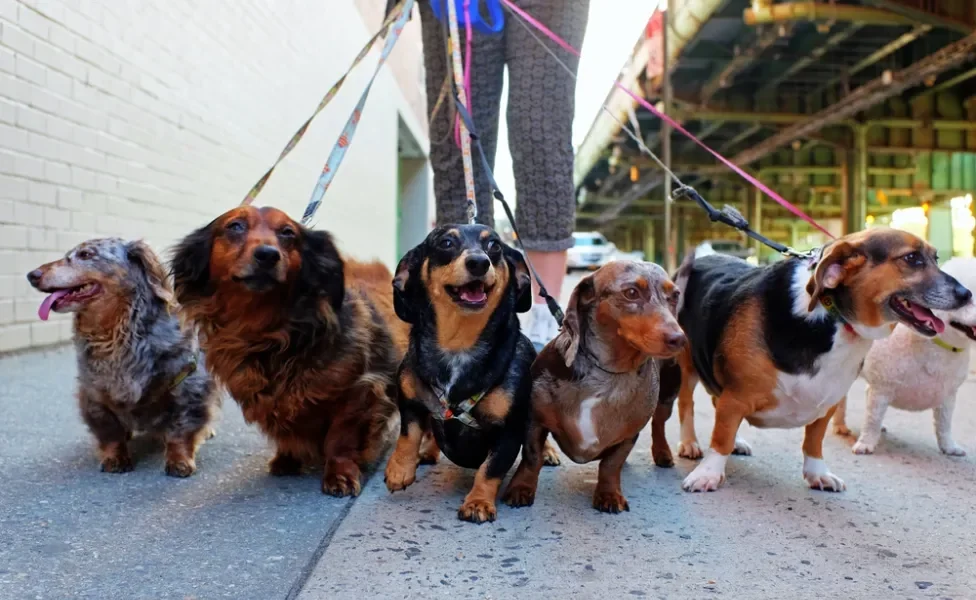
[
  {"x": 669, "y": 265},
  {"x": 755, "y": 220},
  {"x": 861, "y": 177}
]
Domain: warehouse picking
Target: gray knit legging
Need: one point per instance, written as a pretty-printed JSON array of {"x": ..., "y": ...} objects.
[{"x": 541, "y": 104}]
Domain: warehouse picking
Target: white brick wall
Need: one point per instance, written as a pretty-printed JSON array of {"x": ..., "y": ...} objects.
[{"x": 148, "y": 118}]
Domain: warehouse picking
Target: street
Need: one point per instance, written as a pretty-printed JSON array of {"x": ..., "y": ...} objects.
[{"x": 903, "y": 529}]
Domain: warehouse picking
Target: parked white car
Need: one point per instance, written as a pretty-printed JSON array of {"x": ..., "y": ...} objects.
[{"x": 591, "y": 251}]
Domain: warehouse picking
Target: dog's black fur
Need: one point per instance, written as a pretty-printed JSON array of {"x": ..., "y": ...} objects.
[{"x": 498, "y": 360}]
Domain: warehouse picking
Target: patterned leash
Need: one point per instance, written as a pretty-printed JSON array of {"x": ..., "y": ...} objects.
[
  {"x": 345, "y": 138},
  {"x": 397, "y": 11},
  {"x": 462, "y": 95}
]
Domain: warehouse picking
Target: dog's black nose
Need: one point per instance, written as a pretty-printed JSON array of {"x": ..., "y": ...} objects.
[
  {"x": 675, "y": 341},
  {"x": 266, "y": 256},
  {"x": 962, "y": 294},
  {"x": 477, "y": 264},
  {"x": 34, "y": 277}
]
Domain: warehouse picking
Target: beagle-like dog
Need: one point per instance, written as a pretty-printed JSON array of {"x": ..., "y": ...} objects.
[{"x": 780, "y": 345}]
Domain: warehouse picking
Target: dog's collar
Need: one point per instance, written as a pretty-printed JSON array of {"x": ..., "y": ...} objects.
[
  {"x": 947, "y": 346},
  {"x": 831, "y": 307},
  {"x": 185, "y": 372},
  {"x": 462, "y": 412}
]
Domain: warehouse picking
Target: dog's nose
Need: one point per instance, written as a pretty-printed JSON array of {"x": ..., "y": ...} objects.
[
  {"x": 266, "y": 256},
  {"x": 477, "y": 264},
  {"x": 34, "y": 277},
  {"x": 963, "y": 295},
  {"x": 675, "y": 341}
]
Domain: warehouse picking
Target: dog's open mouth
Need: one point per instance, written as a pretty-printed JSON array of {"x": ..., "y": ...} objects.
[
  {"x": 257, "y": 282},
  {"x": 969, "y": 330},
  {"x": 65, "y": 297},
  {"x": 916, "y": 316},
  {"x": 470, "y": 295}
]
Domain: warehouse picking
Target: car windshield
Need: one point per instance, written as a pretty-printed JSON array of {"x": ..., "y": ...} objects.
[{"x": 589, "y": 241}]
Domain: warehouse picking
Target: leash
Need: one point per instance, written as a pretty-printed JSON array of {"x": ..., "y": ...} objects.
[
  {"x": 345, "y": 138},
  {"x": 461, "y": 97},
  {"x": 551, "y": 303},
  {"x": 728, "y": 215},
  {"x": 394, "y": 14}
]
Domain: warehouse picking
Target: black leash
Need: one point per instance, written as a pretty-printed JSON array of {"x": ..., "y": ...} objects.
[
  {"x": 733, "y": 218},
  {"x": 557, "y": 312}
]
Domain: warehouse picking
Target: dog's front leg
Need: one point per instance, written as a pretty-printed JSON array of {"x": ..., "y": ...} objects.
[
  {"x": 521, "y": 489},
  {"x": 815, "y": 470},
  {"x": 710, "y": 473},
  {"x": 943, "y": 427},
  {"x": 401, "y": 469},
  {"x": 688, "y": 444},
  {"x": 111, "y": 434},
  {"x": 660, "y": 449},
  {"x": 840, "y": 418},
  {"x": 479, "y": 504},
  {"x": 877, "y": 404},
  {"x": 608, "y": 496}
]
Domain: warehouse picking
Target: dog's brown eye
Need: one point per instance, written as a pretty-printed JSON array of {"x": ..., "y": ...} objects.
[
  {"x": 631, "y": 294},
  {"x": 445, "y": 244},
  {"x": 915, "y": 259},
  {"x": 491, "y": 246},
  {"x": 235, "y": 226},
  {"x": 287, "y": 232},
  {"x": 85, "y": 254}
]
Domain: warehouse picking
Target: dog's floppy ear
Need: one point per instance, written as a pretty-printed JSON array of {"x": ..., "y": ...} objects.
[
  {"x": 568, "y": 340},
  {"x": 190, "y": 265},
  {"x": 405, "y": 284},
  {"x": 141, "y": 255},
  {"x": 523, "y": 279},
  {"x": 322, "y": 272},
  {"x": 838, "y": 261}
]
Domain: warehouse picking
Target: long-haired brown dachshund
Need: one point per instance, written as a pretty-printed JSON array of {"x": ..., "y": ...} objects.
[{"x": 308, "y": 344}]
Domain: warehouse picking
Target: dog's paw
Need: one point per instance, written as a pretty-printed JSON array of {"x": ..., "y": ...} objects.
[
  {"x": 662, "y": 456},
  {"x": 952, "y": 449},
  {"x": 690, "y": 450},
  {"x": 550, "y": 456},
  {"x": 477, "y": 511},
  {"x": 819, "y": 477},
  {"x": 284, "y": 465},
  {"x": 429, "y": 452},
  {"x": 210, "y": 433},
  {"x": 180, "y": 468},
  {"x": 842, "y": 430},
  {"x": 703, "y": 479},
  {"x": 742, "y": 447},
  {"x": 341, "y": 484},
  {"x": 399, "y": 477},
  {"x": 519, "y": 495},
  {"x": 863, "y": 447},
  {"x": 610, "y": 501},
  {"x": 117, "y": 464}
]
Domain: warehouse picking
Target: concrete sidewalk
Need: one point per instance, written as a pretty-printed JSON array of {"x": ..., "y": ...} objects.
[{"x": 904, "y": 529}]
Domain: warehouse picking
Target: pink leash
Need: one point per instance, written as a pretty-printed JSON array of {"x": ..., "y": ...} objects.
[
  {"x": 765, "y": 189},
  {"x": 467, "y": 69}
]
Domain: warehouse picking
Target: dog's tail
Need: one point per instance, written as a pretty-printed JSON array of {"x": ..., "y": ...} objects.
[
  {"x": 384, "y": 423},
  {"x": 682, "y": 275}
]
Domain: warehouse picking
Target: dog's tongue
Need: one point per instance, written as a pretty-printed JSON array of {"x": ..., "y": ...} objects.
[
  {"x": 925, "y": 315},
  {"x": 473, "y": 294},
  {"x": 45, "y": 310}
]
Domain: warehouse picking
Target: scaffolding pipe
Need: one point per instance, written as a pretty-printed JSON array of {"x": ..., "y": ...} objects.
[{"x": 816, "y": 11}]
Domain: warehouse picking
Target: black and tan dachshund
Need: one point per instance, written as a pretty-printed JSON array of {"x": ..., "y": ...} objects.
[{"x": 465, "y": 377}]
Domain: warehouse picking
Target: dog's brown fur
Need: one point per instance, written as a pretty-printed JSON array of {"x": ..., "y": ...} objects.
[
  {"x": 311, "y": 355},
  {"x": 602, "y": 367}
]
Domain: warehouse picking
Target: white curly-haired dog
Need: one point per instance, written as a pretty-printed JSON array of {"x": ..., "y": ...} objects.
[{"x": 915, "y": 373}]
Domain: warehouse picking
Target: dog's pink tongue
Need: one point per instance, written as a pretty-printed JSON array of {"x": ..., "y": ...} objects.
[
  {"x": 925, "y": 315},
  {"x": 45, "y": 310},
  {"x": 473, "y": 295}
]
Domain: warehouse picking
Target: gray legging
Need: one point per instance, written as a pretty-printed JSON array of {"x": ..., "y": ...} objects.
[{"x": 541, "y": 104}]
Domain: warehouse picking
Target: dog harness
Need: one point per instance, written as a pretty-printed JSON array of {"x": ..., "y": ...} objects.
[
  {"x": 947, "y": 346},
  {"x": 462, "y": 412},
  {"x": 184, "y": 373}
]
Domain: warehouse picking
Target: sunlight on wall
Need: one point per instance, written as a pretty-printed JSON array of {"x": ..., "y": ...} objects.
[
  {"x": 912, "y": 220},
  {"x": 963, "y": 223}
]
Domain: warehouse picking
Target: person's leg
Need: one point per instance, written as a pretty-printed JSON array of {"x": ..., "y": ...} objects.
[
  {"x": 541, "y": 105},
  {"x": 487, "y": 70}
]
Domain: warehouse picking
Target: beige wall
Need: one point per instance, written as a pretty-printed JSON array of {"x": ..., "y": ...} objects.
[{"x": 149, "y": 118}]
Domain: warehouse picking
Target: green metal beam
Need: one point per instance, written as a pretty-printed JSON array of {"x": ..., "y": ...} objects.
[
  {"x": 949, "y": 83},
  {"x": 924, "y": 17},
  {"x": 780, "y": 118},
  {"x": 814, "y": 55},
  {"x": 820, "y": 11}
]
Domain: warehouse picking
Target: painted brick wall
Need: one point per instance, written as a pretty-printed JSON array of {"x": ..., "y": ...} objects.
[{"x": 148, "y": 118}]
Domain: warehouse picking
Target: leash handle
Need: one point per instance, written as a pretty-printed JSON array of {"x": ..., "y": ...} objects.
[{"x": 551, "y": 303}]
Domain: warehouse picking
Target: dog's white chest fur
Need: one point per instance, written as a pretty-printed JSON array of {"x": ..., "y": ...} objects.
[{"x": 588, "y": 435}]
